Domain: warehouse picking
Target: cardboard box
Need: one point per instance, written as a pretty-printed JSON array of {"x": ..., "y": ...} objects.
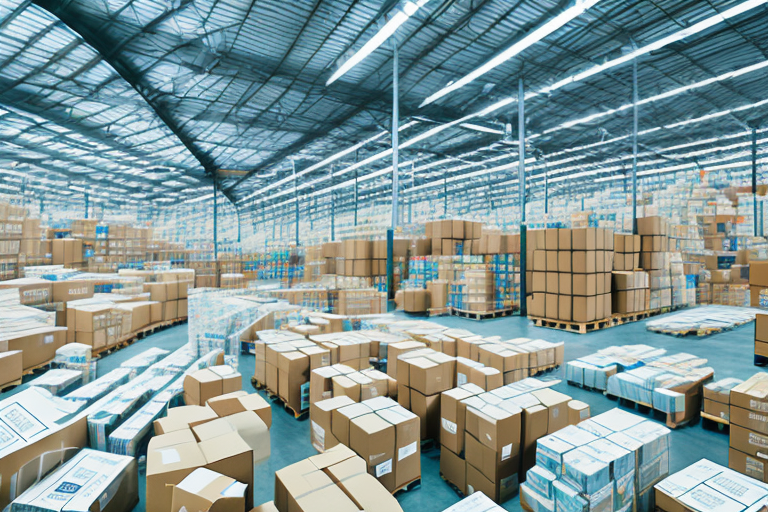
[
  {"x": 39, "y": 345},
  {"x": 341, "y": 418},
  {"x": 183, "y": 418},
  {"x": 578, "y": 411},
  {"x": 202, "y": 385},
  {"x": 407, "y": 454},
  {"x": 427, "y": 408},
  {"x": 11, "y": 367},
  {"x": 170, "y": 458},
  {"x": 240, "y": 401},
  {"x": 205, "y": 490},
  {"x": 230, "y": 455},
  {"x": 557, "y": 408},
  {"x": 321, "y": 421},
  {"x": 373, "y": 439},
  {"x": 453, "y": 468},
  {"x": 293, "y": 379}
]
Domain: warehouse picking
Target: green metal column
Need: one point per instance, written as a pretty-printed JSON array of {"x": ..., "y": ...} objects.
[
  {"x": 754, "y": 178},
  {"x": 634, "y": 146},
  {"x": 215, "y": 220},
  {"x": 521, "y": 185}
]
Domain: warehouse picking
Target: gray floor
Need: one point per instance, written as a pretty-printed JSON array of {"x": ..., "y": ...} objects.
[{"x": 729, "y": 353}]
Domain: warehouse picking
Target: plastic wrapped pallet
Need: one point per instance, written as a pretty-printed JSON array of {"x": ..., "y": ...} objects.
[
  {"x": 95, "y": 390},
  {"x": 477, "y": 502},
  {"x": 90, "y": 480},
  {"x": 76, "y": 356},
  {"x": 59, "y": 381},
  {"x": 139, "y": 363}
]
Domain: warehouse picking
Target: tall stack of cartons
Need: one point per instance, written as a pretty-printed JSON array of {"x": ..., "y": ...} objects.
[
  {"x": 478, "y": 291},
  {"x": 749, "y": 427},
  {"x": 761, "y": 336},
  {"x": 630, "y": 291},
  {"x": 332, "y": 252},
  {"x": 626, "y": 252},
  {"x": 422, "y": 375},
  {"x": 570, "y": 276},
  {"x": 358, "y": 260},
  {"x": 11, "y": 228},
  {"x": 33, "y": 250},
  {"x": 453, "y": 237},
  {"x": 400, "y": 248},
  {"x": 116, "y": 244},
  {"x": 654, "y": 258}
]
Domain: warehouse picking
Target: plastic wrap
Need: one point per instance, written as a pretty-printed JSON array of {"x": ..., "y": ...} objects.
[
  {"x": 95, "y": 390},
  {"x": 59, "y": 381},
  {"x": 141, "y": 362}
]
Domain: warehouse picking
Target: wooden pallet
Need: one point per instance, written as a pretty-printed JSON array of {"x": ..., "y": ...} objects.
[
  {"x": 719, "y": 423},
  {"x": 10, "y": 385},
  {"x": 38, "y": 368},
  {"x": 257, "y": 385},
  {"x": 545, "y": 369},
  {"x": 575, "y": 327},
  {"x": 446, "y": 311},
  {"x": 271, "y": 395},
  {"x": 482, "y": 315},
  {"x": 624, "y": 318},
  {"x": 413, "y": 484},
  {"x": 453, "y": 486}
]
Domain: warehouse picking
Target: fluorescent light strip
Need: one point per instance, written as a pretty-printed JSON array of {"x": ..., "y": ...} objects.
[
  {"x": 526, "y": 42},
  {"x": 389, "y": 28},
  {"x": 479, "y": 128}
]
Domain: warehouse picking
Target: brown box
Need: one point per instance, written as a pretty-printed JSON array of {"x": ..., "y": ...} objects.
[
  {"x": 321, "y": 422},
  {"x": 584, "y": 309},
  {"x": 373, "y": 438},
  {"x": 583, "y": 262},
  {"x": 453, "y": 468},
  {"x": 341, "y": 418},
  {"x": 584, "y": 239},
  {"x": 407, "y": 455},
  {"x": 202, "y": 385},
  {"x": 11, "y": 367},
  {"x": 427, "y": 408}
]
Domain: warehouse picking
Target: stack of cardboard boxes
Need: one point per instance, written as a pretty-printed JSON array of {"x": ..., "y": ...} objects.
[
  {"x": 749, "y": 427},
  {"x": 335, "y": 480},
  {"x": 400, "y": 250},
  {"x": 332, "y": 253},
  {"x": 570, "y": 278},
  {"x": 170, "y": 291},
  {"x": 453, "y": 237},
  {"x": 379, "y": 430},
  {"x": 626, "y": 252},
  {"x": 67, "y": 252},
  {"x": 33, "y": 250},
  {"x": 422, "y": 375},
  {"x": 358, "y": 258},
  {"x": 761, "y": 335},
  {"x": 478, "y": 291},
  {"x": 488, "y": 439},
  {"x": 11, "y": 230},
  {"x": 630, "y": 291},
  {"x": 341, "y": 380},
  {"x": 208, "y": 383},
  {"x": 655, "y": 259},
  {"x": 717, "y": 399},
  {"x": 229, "y": 440},
  {"x": 758, "y": 281}
]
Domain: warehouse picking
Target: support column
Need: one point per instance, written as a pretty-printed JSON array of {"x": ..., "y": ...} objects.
[
  {"x": 356, "y": 193},
  {"x": 296, "y": 197},
  {"x": 333, "y": 209},
  {"x": 445, "y": 196},
  {"x": 634, "y": 146},
  {"x": 395, "y": 180},
  {"x": 546, "y": 188},
  {"x": 87, "y": 201},
  {"x": 521, "y": 184},
  {"x": 216, "y": 230},
  {"x": 754, "y": 178}
]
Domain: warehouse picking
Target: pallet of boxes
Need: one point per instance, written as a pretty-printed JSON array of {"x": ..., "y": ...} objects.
[
  {"x": 488, "y": 439},
  {"x": 382, "y": 432},
  {"x": 569, "y": 278},
  {"x": 453, "y": 237},
  {"x": 609, "y": 462},
  {"x": 748, "y": 413}
]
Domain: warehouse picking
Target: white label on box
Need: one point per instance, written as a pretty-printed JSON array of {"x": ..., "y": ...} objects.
[
  {"x": 48, "y": 339},
  {"x": 170, "y": 456},
  {"x": 753, "y": 416},
  {"x": 461, "y": 379},
  {"x": 757, "y": 405},
  {"x": 384, "y": 468},
  {"x": 448, "y": 426},
  {"x": 758, "y": 440},
  {"x": 407, "y": 450},
  {"x": 318, "y": 433},
  {"x": 584, "y": 414},
  {"x": 506, "y": 451}
]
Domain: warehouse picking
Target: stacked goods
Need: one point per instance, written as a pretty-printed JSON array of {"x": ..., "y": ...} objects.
[
  {"x": 348, "y": 348},
  {"x": 341, "y": 380},
  {"x": 422, "y": 375},
  {"x": 400, "y": 248},
  {"x": 705, "y": 484},
  {"x": 262, "y": 339},
  {"x": 717, "y": 399},
  {"x": 671, "y": 384},
  {"x": 453, "y": 237},
  {"x": 571, "y": 274},
  {"x": 202, "y": 385},
  {"x": 761, "y": 337},
  {"x": 626, "y": 252},
  {"x": 10, "y": 368},
  {"x": 478, "y": 291},
  {"x": 383, "y": 433},
  {"x": 506, "y": 272},
  {"x": 630, "y": 290},
  {"x": 59, "y": 381},
  {"x": 31, "y": 331},
  {"x": 655, "y": 259},
  {"x": 91, "y": 479},
  {"x": 287, "y": 371},
  {"x": 488, "y": 439},
  {"x": 417, "y": 300},
  {"x": 33, "y": 250},
  {"x": 332, "y": 253},
  {"x": 609, "y": 462},
  {"x": 515, "y": 359},
  {"x": 684, "y": 285},
  {"x": 198, "y": 438},
  {"x": 361, "y": 302},
  {"x": 758, "y": 281},
  {"x": 171, "y": 291},
  {"x": 749, "y": 427},
  {"x": 314, "y": 264},
  {"x": 335, "y": 480},
  {"x": 232, "y": 281},
  {"x": 358, "y": 258}
]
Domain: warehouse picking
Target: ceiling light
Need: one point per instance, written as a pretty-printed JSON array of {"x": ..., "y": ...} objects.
[
  {"x": 384, "y": 33},
  {"x": 529, "y": 40},
  {"x": 479, "y": 128}
]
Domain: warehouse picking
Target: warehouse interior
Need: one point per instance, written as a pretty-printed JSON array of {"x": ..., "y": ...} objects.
[{"x": 393, "y": 255}]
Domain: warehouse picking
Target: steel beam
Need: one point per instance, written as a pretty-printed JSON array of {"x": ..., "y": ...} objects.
[
  {"x": 395, "y": 175},
  {"x": 634, "y": 145},
  {"x": 521, "y": 184},
  {"x": 296, "y": 197},
  {"x": 754, "y": 178}
]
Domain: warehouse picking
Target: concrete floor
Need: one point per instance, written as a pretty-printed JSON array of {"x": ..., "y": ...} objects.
[{"x": 729, "y": 353}]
